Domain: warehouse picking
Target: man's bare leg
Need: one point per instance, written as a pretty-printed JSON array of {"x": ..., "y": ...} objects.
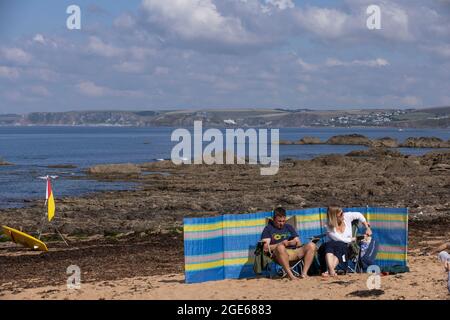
[
  {"x": 282, "y": 258},
  {"x": 307, "y": 252}
]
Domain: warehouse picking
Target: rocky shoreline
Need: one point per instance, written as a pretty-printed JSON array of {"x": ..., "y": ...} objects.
[
  {"x": 167, "y": 193},
  {"x": 386, "y": 142}
]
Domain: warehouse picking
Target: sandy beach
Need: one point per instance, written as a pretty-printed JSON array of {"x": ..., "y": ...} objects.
[
  {"x": 425, "y": 281},
  {"x": 129, "y": 244}
]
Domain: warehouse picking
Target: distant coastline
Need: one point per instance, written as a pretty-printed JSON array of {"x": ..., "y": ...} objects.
[{"x": 241, "y": 118}]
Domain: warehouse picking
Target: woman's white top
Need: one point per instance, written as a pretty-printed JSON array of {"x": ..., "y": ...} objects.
[{"x": 346, "y": 236}]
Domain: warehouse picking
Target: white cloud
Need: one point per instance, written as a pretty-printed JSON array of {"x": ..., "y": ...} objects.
[
  {"x": 302, "y": 88},
  {"x": 8, "y": 72},
  {"x": 89, "y": 88},
  {"x": 125, "y": 21},
  {"x": 395, "y": 100},
  {"x": 445, "y": 100},
  {"x": 281, "y": 4},
  {"x": 19, "y": 96},
  {"x": 442, "y": 50},
  {"x": 395, "y": 22},
  {"x": 161, "y": 71},
  {"x": 350, "y": 24},
  {"x": 140, "y": 53},
  {"x": 40, "y": 91},
  {"x": 98, "y": 47},
  {"x": 39, "y": 38},
  {"x": 306, "y": 66},
  {"x": 130, "y": 67},
  {"x": 324, "y": 22},
  {"x": 42, "y": 74},
  {"x": 412, "y": 101},
  {"x": 231, "y": 70},
  {"x": 331, "y": 62},
  {"x": 225, "y": 86},
  {"x": 197, "y": 20},
  {"x": 16, "y": 55},
  {"x": 396, "y": 19}
]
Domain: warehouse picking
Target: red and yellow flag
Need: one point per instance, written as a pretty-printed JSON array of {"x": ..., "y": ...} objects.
[{"x": 50, "y": 201}]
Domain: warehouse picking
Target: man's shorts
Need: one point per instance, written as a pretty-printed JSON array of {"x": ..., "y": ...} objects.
[{"x": 293, "y": 253}]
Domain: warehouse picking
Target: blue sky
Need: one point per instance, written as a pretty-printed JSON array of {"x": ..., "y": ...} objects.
[{"x": 175, "y": 54}]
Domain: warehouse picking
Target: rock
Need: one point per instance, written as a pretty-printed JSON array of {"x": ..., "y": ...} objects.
[
  {"x": 292, "y": 199},
  {"x": 374, "y": 152},
  {"x": 309, "y": 140},
  {"x": 440, "y": 167},
  {"x": 286, "y": 142},
  {"x": 4, "y": 163},
  {"x": 385, "y": 142},
  {"x": 436, "y": 157},
  {"x": 62, "y": 166},
  {"x": 330, "y": 160},
  {"x": 425, "y": 142},
  {"x": 126, "y": 169},
  {"x": 350, "y": 139}
]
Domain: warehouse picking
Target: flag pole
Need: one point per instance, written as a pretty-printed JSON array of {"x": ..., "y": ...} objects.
[
  {"x": 41, "y": 227},
  {"x": 45, "y": 217}
]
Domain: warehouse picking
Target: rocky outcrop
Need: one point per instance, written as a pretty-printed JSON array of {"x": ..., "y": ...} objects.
[
  {"x": 425, "y": 142},
  {"x": 350, "y": 139},
  {"x": 112, "y": 170},
  {"x": 285, "y": 142},
  {"x": 440, "y": 167},
  {"x": 4, "y": 163},
  {"x": 309, "y": 140},
  {"x": 386, "y": 142},
  {"x": 330, "y": 160},
  {"x": 439, "y": 161},
  {"x": 374, "y": 152},
  {"x": 62, "y": 166},
  {"x": 436, "y": 157}
]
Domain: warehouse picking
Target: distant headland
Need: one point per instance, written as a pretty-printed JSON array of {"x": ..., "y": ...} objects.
[{"x": 252, "y": 117}]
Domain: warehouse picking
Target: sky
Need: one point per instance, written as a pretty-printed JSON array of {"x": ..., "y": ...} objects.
[{"x": 185, "y": 54}]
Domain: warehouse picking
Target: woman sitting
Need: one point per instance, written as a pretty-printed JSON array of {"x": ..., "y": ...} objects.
[{"x": 340, "y": 232}]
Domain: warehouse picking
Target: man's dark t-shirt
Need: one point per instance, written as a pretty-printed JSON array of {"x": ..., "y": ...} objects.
[{"x": 278, "y": 235}]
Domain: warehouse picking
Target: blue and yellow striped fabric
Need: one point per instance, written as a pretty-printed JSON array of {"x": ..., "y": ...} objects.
[{"x": 222, "y": 247}]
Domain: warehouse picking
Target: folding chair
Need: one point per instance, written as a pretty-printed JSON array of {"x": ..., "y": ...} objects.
[
  {"x": 353, "y": 257},
  {"x": 296, "y": 266}
]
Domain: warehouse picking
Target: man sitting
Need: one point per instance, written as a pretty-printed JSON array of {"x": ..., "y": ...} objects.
[{"x": 281, "y": 240}]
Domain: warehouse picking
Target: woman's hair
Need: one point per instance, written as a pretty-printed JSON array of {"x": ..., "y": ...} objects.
[{"x": 332, "y": 216}]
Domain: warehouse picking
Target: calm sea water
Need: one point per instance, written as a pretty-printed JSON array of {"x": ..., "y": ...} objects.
[{"x": 33, "y": 149}]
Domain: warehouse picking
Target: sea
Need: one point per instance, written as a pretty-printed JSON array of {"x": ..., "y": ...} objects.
[{"x": 33, "y": 149}]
